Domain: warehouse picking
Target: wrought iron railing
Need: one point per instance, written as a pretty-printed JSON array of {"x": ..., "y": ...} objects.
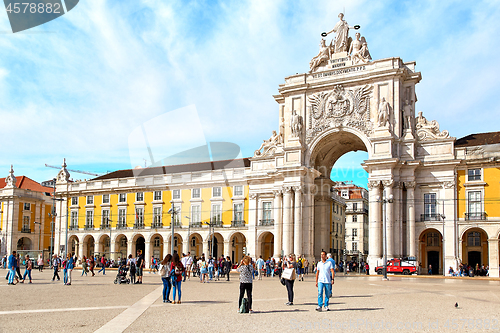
[
  {"x": 26, "y": 229},
  {"x": 237, "y": 224},
  {"x": 266, "y": 222},
  {"x": 430, "y": 217},
  {"x": 475, "y": 216}
]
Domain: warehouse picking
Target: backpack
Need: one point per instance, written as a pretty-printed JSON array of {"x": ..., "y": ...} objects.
[
  {"x": 132, "y": 267},
  {"x": 244, "y": 306},
  {"x": 178, "y": 270},
  {"x": 299, "y": 264},
  {"x": 163, "y": 271}
]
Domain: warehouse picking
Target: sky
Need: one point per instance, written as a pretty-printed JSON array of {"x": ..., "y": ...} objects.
[{"x": 91, "y": 84}]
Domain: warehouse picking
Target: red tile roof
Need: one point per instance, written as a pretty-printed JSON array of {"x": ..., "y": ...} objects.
[
  {"x": 26, "y": 183},
  {"x": 478, "y": 139}
]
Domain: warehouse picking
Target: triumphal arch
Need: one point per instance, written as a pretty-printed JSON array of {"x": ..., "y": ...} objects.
[{"x": 347, "y": 102}]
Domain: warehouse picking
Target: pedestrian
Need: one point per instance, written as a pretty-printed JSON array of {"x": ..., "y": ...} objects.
[
  {"x": 300, "y": 274},
  {"x": 246, "y": 282},
  {"x": 92, "y": 265},
  {"x": 189, "y": 263},
  {"x": 29, "y": 266},
  {"x": 18, "y": 268},
  {"x": 70, "y": 264},
  {"x": 210, "y": 267},
  {"x": 325, "y": 275},
  {"x": 176, "y": 276},
  {"x": 260, "y": 265},
  {"x": 164, "y": 270},
  {"x": 12, "y": 265},
  {"x": 272, "y": 266},
  {"x": 203, "y": 270},
  {"x": 131, "y": 263},
  {"x": 139, "y": 265},
  {"x": 227, "y": 267},
  {"x": 103, "y": 265},
  {"x": 367, "y": 268},
  {"x": 40, "y": 263},
  {"x": 429, "y": 271},
  {"x": 84, "y": 266},
  {"x": 290, "y": 277},
  {"x": 56, "y": 263},
  {"x": 306, "y": 266}
]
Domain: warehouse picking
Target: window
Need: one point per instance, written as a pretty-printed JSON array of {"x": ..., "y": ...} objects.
[
  {"x": 122, "y": 197},
  {"x": 157, "y": 195},
  {"x": 217, "y": 192},
  {"x": 238, "y": 191},
  {"x": 139, "y": 217},
  {"x": 430, "y": 205},
  {"x": 195, "y": 193},
  {"x": 216, "y": 214},
  {"x": 355, "y": 218},
  {"x": 74, "y": 201},
  {"x": 157, "y": 216},
  {"x": 344, "y": 194},
  {"x": 123, "y": 242},
  {"x": 474, "y": 205},
  {"x": 90, "y": 219},
  {"x": 139, "y": 196},
  {"x": 122, "y": 218},
  {"x": 474, "y": 174},
  {"x": 177, "y": 216},
  {"x": 74, "y": 219},
  {"x": 157, "y": 241},
  {"x": 238, "y": 212},
  {"x": 176, "y": 194},
  {"x": 196, "y": 214},
  {"x": 355, "y": 232},
  {"x": 105, "y": 218},
  {"x": 432, "y": 239},
  {"x": 354, "y": 246},
  {"x": 193, "y": 242},
  {"x": 27, "y": 206},
  {"x": 90, "y": 200},
  {"x": 355, "y": 206},
  {"x": 474, "y": 239},
  {"x": 266, "y": 211},
  {"x": 105, "y": 198},
  {"x": 26, "y": 222}
]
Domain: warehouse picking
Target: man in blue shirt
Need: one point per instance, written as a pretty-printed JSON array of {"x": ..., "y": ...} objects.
[
  {"x": 12, "y": 265},
  {"x": 330, "y": 259},
  {"x": 260, "y": 265},
  {"x": 325, "y": 276}
]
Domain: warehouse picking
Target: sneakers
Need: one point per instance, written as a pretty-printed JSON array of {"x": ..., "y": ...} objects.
[
  {"x": 318, "y": 309},
  {"x": 289, "y": 303},
  {"x": 327, "y": 308},
  {"x": 250, "y": 311}
]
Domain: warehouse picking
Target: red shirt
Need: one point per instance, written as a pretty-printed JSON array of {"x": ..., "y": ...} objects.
[{"x": 178, "y": 278}]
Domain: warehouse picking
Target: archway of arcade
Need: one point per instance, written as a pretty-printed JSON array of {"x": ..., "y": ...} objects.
[
  {"x": 474, "y": 248},
  {"x": 266, "y": 245},
  {"x": 325, "y": 153},
  {"x": 238, "y": 243},
  {"x": 431, "y": 251}
]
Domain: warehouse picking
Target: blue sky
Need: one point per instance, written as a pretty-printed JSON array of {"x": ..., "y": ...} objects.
[{"x": 80, "y": 86}]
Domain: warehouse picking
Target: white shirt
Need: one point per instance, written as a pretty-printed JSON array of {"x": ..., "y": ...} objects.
[
  {"x": 324, "y": 272},
  {"x": 184, "y": 261}
]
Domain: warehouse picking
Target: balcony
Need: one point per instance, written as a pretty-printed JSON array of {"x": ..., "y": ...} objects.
[
  {"x": 237, "y": 224},
  {"x": 26, "y": 229},
  {"x": 195, "y": 224},
  {"x": 357, "y": 210},
  {"x": 216, "y": 224},
  {"x": 139, "y": 225},
  {"x": 156, "y": 225},
  {"x": 430, "y": 217},
  {"x": 104, "y": 226},
  {"x": 265, "y": 223},
  {"x": 475, "y": 216},
  {"x": 121, "y": 226},
  {"x": 89, "y": 227},
  {"x": 73, "y": 227},
  {"x": 177, "y": 225}
]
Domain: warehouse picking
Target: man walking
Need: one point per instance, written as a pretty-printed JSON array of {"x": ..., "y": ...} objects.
[
  {"x": 227, "y": 267},
  {"x": 56, "y": 263},
  {"x": 260, "y": 265},
  {"x": 330, "y": 259},
  {"x": 103, "y": 264},
  {"x": 12, "y": 265},
  {"x": 325, "y": 275}
]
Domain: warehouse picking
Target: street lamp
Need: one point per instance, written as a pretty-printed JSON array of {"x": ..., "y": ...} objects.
[
  {"x": 211, "y": 244},
  {"x": 385, "y": 201},
  {"x": 172, "y": 213},
  {"x": 189, "y": 232},
  {"x": 443, "y": 217},
  {"x": 39, "y": 234}
]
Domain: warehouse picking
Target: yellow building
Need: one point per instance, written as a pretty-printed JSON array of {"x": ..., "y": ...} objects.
[{"x": 25, "y": 218}]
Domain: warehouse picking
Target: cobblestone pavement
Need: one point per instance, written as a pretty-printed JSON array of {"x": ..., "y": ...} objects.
[{"x": 359, "y": 303}]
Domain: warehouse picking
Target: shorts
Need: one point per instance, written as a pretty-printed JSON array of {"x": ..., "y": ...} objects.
[
  {"x": 204, "y": 271},
  {"x": 139, "y": 271}
]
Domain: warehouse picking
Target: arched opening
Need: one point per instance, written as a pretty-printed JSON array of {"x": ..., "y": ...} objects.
[
  {"x": 157, "y": 246},
  {"x": 340, "y": 221},
  {"x": 88, "y": 246},
  {"x": 266, "y": 245},
  {"x": 238, "y": 244},
  {"x": 139, "y": 245},
  {"x": 431, "y": 251},
  {"x": 195, "y": 244},
  {"x": 177, "y": 244},
  {"x": 104, "y": 245},
  {"x": 74, "y": 244},
  {"x": 121, "y": 242},
  {"x": 475, "y": 248},
  {"x": 217, "y": 249},
  {"x": 24, "y": 244}
]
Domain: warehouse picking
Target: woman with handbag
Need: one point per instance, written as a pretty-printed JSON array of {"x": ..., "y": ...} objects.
[
  {"x": 289, "y": 276},
  {"x": 165, "y": 277},
  {"x": 246, "y": 282}
]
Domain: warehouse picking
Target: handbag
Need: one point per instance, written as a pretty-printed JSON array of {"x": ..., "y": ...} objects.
[
  {"x": 288, "y": 274},
  {"x": 282, "y": 281}
]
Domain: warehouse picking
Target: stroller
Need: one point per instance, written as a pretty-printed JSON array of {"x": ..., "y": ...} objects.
[{"x": 121, "y": 277}]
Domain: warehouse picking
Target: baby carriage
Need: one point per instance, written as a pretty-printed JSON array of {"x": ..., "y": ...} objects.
[{"x": 121, "y": 277}]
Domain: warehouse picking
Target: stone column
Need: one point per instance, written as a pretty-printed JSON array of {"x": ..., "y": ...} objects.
[
  {"x": 130, "y": 249},
  {"x": 278, "y": 222},
  {"x": 166, "y": 247},
  {"x": 398, "y": 220},
  {"x": 80, "y": 249},
  {"x": 112, "y": 248},
  {"x": 227, "y": 249},
  {"x": 493, "y": 257},
  {"x": 312, "y": 190},
  {"x": 287, "y": 220},
  {"x": 96, "y": 248},
  {"x": 389, "y": 211},
  {"x": 375, "y": 221},
  {"x": 410, "y": 199},
  {"x": 297, "y": 245},
  {"x": 253, "y": 210},
  {"x": 206, "y": 250},
  {"x": 186, "y": 246},
  {"x": 147, "y": 255}
]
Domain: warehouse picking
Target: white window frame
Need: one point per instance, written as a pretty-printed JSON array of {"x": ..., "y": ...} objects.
[
  {"x": 74, "y": 201},
  {"x": 26, "y": 221},
  {"x": 90, "y": 199},
  {"x": 196, "y": 193},
  {"x": 237, "y": 212},
  {"x": 122, "y": 196},
  {"x": 74, "y": 219},
  {"x": 157, "y": 195},
  {"x": 478, "y": 203},
  {"x": 431, "y": 204},
  {"x": 139, "y": 216},
  {"x": 195, "y": 214},
  {"x": 238, "y": 190},
  {"x": 122, "y": 217},
  {"x": 216, "y": 213},
  {"x": 105, "y": 217},
  {"x": 27, "y": 206},
  {"x": 105, "y": 198},
  {"x": 139, "y": 196},
  {"x": 267, "y": 212},
  {"x": 217, "y": 192},
  {"x": 176, "y": 194},
  {"x": 89, "y": 216},
  {"x": 474, "y": 174},
  {"x": 355, "y": 232}
]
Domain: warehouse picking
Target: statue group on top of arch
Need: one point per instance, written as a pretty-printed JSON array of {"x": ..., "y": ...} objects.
[{"x": 357, "y": 50}]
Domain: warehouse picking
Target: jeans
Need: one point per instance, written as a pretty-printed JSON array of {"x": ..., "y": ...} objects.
[
  {"x": 166, "y": 288},
  {"x": 210, "y": 272},
  {"x": 327, "y": 287},
  {"x": 56, "y": 274},
  {"x": 27, "y": 272},
  {"x": 248, "y": 288},
  {"x": 289, "y": 289},
  {"x": 103, "y": 270},
  {"x": 65, "y": 278},
  {"x": 12, "y": 275},
  {"x": 177, "y": 288}
]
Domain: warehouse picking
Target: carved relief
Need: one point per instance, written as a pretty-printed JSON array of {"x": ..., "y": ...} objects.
[
  {"x": 296, "y": 124},
  {"x": 428, "y": 130},
  {"x": 268, "y": 147},
  {"x": 449, "y": 184},
  {"x": 277, "y": 193},
  {"x": 410, "y": 184},
  {"x": 388, "y": 183},
  {"x": 383, "y": 113},
  {"x": 287, "y": 189},
  {"x": 359, "y": 50},
  {"x": 340, "y": 107},
  {"x": 373, "y": 183},
  {"x": 253, "y": 196}
]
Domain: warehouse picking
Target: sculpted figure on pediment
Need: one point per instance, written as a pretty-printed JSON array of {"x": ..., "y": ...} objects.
[
  {"x": 296, "y": 124},
  {"x": 341, "y": 29},
  {"x": 383, "y": 113},
  {"x": 268, "y": 146},
  {"x": 428, "y": 130},
  {"x": 323, "y": 56},
  {"x": 359, "y": 50}
]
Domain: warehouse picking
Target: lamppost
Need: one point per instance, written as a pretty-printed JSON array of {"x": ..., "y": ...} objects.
[
  {"x": 172, "y": 213},
  {"x": 443, "y": 217},
  {"x": 210, "y": 234},
  {"x": 189, "y": 234},
  {"x": 385, "y": 201},
  {"x": 39, "y": 234}
]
